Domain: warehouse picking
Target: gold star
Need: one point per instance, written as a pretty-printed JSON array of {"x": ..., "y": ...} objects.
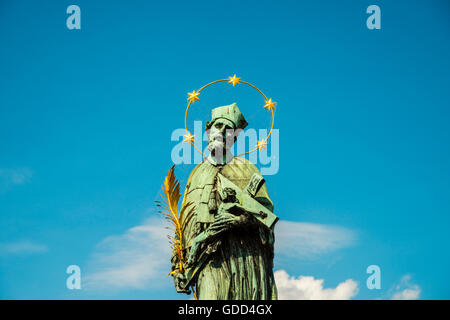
[
  {"x": 261, "y": 145},
  {"x": 270, "y": 104},
  {"x": 234, "y": 80},
  {"x": 193, "y": 96},
  {"x": 189, "y": 138}
]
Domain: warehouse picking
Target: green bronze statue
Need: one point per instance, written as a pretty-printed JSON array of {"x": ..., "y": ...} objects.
[{"x": 229, "y": 241}]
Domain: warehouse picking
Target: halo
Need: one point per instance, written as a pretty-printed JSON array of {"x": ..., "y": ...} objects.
[{"x": 193, "y": 96}]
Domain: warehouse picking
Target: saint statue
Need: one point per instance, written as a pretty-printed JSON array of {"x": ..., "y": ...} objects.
[{"x": 229, "y": 240}]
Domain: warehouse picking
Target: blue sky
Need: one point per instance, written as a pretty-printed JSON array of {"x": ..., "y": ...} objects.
[{"x": 86, "y": 118}]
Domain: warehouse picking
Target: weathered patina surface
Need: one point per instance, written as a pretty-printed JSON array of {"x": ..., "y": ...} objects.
[{"x": 229, "y": 240}]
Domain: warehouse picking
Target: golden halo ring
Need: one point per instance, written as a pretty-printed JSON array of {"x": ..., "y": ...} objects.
[{"x": 270, "y": 105}]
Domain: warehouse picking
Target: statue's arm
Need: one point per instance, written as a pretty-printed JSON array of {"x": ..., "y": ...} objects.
[{"x": 262, "y": 196}]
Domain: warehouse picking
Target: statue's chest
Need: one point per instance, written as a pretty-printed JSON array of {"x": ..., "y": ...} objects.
[
  {"x": 203, "y": 188},
  {"x": 202, "y": 192}
]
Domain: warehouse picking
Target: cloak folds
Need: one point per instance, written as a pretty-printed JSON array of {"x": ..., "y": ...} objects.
[{"x": 240, "y": 266}]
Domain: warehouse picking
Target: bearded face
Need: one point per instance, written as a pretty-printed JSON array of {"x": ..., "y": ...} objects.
[{"x": 221, "y": 137}]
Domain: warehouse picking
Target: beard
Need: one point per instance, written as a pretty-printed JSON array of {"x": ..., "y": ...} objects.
[{"x": 218, "y": 145}]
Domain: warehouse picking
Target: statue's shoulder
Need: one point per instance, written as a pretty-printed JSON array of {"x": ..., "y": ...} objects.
[
  {"x": 239, "y": 168},
  {"x": 202, "y": 169},
  {"x": 244, "y": 162},
  {"x": 197, "y": 167}
]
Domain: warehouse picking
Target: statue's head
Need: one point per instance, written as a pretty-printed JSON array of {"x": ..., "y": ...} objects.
[{"x": 223, "y": 129}]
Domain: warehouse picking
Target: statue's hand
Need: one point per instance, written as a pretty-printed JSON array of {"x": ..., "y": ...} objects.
[
  {"x": 229, "y": 215},
  {"x": 180, "y": 282},
  {"x": 193, "y": 253}
]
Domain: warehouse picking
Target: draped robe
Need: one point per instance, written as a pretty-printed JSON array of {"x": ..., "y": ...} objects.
[{"x": 240, "y": 266}]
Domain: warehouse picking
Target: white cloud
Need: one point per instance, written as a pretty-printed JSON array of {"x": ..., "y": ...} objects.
[
  {"x": 137, "y": 259},
  {"x": 306, "y": 240},
  {"x": 406, "y": 290},
  {"x": 308, "y": 288},
  {"x": 14, "y": 176},
  {"x": 21, "y": 247},
  {"x": 140, "y": 257}
]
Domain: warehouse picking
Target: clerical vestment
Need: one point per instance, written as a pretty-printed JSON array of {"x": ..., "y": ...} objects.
[{"x": 240, "y": 265}]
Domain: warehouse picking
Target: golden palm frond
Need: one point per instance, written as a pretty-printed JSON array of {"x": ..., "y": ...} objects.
[{"x": 171, "y": 195}]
